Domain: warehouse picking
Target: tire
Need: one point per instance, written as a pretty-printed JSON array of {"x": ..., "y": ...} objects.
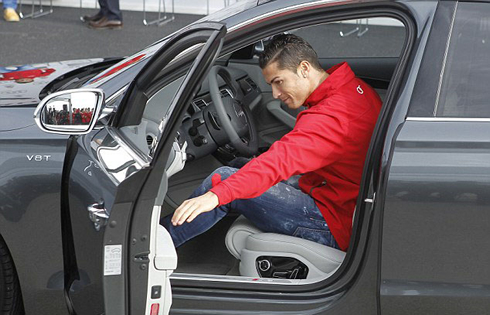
[{"x": 10, "y": 294}]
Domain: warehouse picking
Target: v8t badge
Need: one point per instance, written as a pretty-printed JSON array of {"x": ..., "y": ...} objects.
[{"x": 38, "y": 157}]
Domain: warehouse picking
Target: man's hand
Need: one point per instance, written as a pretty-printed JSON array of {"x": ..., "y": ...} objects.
[{"x": 191, "y": 208}]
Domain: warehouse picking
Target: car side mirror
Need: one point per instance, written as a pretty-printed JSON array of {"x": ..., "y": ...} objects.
[{"x": 70, "y": 112}]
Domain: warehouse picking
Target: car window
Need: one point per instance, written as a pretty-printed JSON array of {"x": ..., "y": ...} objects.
[
  {"x": 357, "y": 41},
  {"x": 463, "y": 89},
  {"x": 356, "y": 38},
  {"x": 144, "y": 135}
]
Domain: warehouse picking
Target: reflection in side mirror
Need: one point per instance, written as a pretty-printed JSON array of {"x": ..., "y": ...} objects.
[{"x": 71, "y": 112}]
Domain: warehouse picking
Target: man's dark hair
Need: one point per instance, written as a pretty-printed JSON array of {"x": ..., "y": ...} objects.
[{"x": 289, "y": 51}]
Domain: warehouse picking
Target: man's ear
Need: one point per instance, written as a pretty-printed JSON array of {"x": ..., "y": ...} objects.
[{"x": 304, "y": 68}]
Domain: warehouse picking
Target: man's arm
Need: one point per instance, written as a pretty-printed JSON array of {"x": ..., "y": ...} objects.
[{"x": 316, "y": 141}]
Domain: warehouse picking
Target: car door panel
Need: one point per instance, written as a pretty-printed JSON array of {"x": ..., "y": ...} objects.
[
  {"x": 157, "y": 181},
  {"x": 91, "y": 184},
  {"x": 436, "y": 220},
  {"x": 115, "y": 253}
]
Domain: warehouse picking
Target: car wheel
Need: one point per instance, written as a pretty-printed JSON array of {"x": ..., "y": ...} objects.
[{"x": 10, "y": 295}]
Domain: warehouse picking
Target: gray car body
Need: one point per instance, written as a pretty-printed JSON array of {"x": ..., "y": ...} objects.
[{"x": 411, "y": 252}]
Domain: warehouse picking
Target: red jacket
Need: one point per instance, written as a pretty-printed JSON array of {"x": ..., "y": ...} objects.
[{"x": 328, "y": 145}]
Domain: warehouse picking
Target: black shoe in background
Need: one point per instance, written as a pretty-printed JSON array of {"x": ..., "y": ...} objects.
[
  {"x": 92, "y": 18},
  {"x": 105, "y": 23}
]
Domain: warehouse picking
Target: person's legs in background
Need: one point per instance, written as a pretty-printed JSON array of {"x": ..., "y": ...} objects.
[
  {"x": 113, "y": 11},
  {"x": 109, "y": 16},
  {"x": 93, "y": 18},
  {"x": 9, "y": 13},
  {"x": 282, "y": 209}
]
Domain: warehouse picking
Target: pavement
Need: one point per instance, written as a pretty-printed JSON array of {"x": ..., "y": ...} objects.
[{"x": 63, "y": 36}]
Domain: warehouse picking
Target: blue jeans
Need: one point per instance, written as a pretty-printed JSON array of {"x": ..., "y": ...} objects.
[
  {"x": 282, "y": 209},
  {"x": 10, "y": 4}
]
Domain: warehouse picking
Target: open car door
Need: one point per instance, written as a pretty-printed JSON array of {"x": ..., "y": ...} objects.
[{"x": 117, "y": 258}]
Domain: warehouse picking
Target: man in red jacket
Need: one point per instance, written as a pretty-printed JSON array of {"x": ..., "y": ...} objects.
[{"x": 327, "y": 147}]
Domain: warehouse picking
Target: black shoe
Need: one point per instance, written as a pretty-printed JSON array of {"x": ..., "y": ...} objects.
[
  {"x": 105, "y": 23},
  {"x": 92, "y": 18}
]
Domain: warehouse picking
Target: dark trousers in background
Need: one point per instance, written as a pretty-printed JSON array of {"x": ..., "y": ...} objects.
[{"x": 110, "y": 9}]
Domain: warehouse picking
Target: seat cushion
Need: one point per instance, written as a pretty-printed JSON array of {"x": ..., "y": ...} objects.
[{"x": 244, "y": 237}]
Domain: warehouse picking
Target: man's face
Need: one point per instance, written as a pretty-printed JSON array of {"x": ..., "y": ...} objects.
[{"x": 288, "y": 86}]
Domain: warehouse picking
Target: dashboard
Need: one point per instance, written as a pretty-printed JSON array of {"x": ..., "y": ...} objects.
[
  {"x": 199, "y": 135},
  {"x": 201, "y": 123}
]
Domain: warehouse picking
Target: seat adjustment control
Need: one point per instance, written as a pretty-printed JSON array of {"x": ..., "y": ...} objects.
[{"x": 264, "y": 265}]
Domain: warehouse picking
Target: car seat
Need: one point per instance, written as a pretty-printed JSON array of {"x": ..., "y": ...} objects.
[{"x": 271, "y": 255}]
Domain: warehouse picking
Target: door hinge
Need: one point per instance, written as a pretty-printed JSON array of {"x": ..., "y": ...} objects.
[{"x": 98, "y": 215}]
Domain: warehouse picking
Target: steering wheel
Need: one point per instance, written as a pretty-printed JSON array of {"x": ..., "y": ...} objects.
[{"x": 235, "y": 118}]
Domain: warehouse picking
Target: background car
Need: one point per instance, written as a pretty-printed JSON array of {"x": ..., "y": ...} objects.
[{"x": 81, "y": 200}]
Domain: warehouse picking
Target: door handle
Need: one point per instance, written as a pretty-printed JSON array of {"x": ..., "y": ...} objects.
[{"x": 98, "y": 215}]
